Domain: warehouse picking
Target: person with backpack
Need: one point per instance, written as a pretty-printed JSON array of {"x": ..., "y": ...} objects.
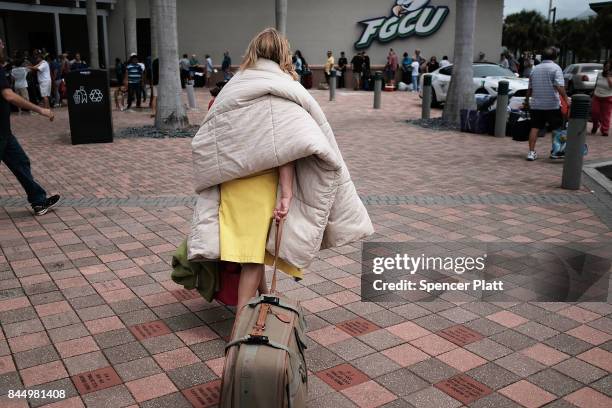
[
  {"x": 602, "y": 100},
  {"x": 406, "y": 69}
]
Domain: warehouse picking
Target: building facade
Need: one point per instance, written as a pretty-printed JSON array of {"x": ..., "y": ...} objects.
[{"x": 212, "y": 26}]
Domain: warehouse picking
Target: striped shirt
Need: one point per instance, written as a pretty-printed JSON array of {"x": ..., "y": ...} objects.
[
  {"x": 542, "y": 82},
  {"x": 134, "y": 73}
]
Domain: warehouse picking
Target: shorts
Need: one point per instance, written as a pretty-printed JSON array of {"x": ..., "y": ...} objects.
[
  {"x": 45, "y": 88},
  {"x": 23, "y": 92},
  {"x": 540, "y": 118},
  {"x": 153, "y": 91}
]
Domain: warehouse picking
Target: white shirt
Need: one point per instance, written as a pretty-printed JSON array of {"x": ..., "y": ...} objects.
[
  {"x": 444, "y": 63},
  {"x": 20, "y": 74},
  {"x": 415, "y": 67},
  {"x": 43, "y": 73}
]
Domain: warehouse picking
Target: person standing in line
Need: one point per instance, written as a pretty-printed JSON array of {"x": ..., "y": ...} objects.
[
  {"x": 415, "y": 74},
  {"x": 444, "y": 62},
  {"x": 184, "y": 66},
  {"x": 366, "y": 71},
  {"x": 226, "y": 66},
  {"x": 546, "y": 85},
  {"x": 154, "y": 79},
  {"x": 298, "y": 65},
  {"x": 433, "y": 64},
  {"x": 329, "y": 65},
  {"x": 391, "y": 66},
  {"x": 503, "y": 61},
  {"x": 406, "y": 69},
  {"x": 210, "y": 69},
  {"x": 43, "y": 74},
  {"x": 11, "y": 152},
  {"x": 357, "y": 64},
  {"x": 143, "y": 84},
  {"x": 602, "y": 100},
  {"x": 481, "y": 57},
  {"x": 342, "y": 63},
  {"x": 133, "y": 81},
  {"x": 20, "y": 75},
  {"x": 527, "y": 65},
  {"x": 421, "y": 60},
  {"x": 119, "y": 70},
  {"x": 56, "y": 75},
  {"x": 78, "y": 64}
]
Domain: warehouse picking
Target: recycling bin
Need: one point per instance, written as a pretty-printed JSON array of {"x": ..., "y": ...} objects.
[{"x": 89, "y": 106}]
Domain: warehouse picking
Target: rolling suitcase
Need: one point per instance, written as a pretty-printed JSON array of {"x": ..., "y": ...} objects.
[{"x": 264, "y": 360}]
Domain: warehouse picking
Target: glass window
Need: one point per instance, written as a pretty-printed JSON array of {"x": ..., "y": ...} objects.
[
  {"x": 591, "y": 68},
  {"x": 446, "y": 70}
]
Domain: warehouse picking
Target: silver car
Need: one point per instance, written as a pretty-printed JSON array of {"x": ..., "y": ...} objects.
[{"x": 580, "y": 78}]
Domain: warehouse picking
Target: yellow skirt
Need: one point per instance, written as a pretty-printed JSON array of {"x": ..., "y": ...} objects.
[{"x": 245, "y": 217}]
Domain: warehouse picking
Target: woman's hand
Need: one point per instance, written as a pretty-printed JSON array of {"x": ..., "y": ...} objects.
[
  {"x": 282, "y": 209},
  {"x": 285, "y": 174}
]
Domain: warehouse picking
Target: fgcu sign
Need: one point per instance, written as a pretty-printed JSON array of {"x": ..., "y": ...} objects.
[{"x": 408, "y": 18}]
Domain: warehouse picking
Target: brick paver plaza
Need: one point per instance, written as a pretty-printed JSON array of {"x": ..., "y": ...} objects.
[{"x": 87, "y": 305}]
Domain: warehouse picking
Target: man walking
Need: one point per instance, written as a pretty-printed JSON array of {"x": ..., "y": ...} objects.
[
  {"x": 11, "y": 152},
  {"x": 545, "y": 85},
  {"x": 133, "y": 81}
]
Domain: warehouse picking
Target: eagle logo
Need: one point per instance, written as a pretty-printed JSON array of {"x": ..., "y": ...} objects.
[{"x": 403, "y": 7}]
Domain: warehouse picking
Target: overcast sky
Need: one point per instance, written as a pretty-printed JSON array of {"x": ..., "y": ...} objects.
[{"x": 565, "y": 8}]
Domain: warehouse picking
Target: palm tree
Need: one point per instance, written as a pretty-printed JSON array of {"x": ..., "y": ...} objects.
[
  {"x": 461, "y": 88},
  {"x": 130, "y": 27},
  {"x": 92, "y": 33},
  {"x": 526, "y": 30},
  {"x": 170, "y": 114},
  {"x": 281, "y": 16}
]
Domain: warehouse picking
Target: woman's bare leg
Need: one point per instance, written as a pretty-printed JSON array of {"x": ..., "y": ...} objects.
[
  {"x": 263, "y": 285},
  {"x": 250, "y": 279}
]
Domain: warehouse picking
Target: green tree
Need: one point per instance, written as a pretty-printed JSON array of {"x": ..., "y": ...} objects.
[{"x": 526, "y": 30}]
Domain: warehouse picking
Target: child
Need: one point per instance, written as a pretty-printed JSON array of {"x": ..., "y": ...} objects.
[{"x": 119, "y": 96}]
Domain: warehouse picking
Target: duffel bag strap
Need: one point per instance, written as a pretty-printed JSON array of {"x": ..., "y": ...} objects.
[{"x": 277, "y": 243}]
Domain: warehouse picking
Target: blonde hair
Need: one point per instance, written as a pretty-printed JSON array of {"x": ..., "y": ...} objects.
[{"x": 272, "y": 45}]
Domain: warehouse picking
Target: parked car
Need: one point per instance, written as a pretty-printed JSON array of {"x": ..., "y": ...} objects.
[
  {"x": 580, "y": 78},
  {"x": 486, "y": 79}
]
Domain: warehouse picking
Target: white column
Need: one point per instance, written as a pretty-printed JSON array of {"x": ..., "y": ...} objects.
[
  {"x": 281, "y": 16},
  {"x": 58, "y": 34},
  {"x": 92, "y": 33},
  {"x": 130, "y": 27},
  {"x": 107, "y": 61}
]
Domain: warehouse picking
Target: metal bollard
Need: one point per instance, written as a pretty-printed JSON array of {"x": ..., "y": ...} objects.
[
  {"x": 501, "y": 112},
  {"x": 426, "y": 106},
  {"x": 377, "y": 89},
  {"x": 191, "y": 100},
  {"x": 576, "y": 136},
  {"x": 332, "y": 85}
]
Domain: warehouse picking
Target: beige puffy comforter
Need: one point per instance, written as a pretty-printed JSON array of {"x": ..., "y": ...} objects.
[{"x": 263, "y": 119}]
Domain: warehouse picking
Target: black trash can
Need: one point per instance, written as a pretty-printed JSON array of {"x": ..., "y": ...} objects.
[{"x": 89, "y": 106}]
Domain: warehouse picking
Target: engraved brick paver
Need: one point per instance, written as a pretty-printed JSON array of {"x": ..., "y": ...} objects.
[{"x": 87, "y": 304}]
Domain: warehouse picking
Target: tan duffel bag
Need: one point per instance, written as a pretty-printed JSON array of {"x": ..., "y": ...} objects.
[{"x": 264, "y": 360}]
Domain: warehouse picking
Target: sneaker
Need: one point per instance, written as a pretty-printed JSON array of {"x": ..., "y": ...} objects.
[
  {"x": 532, "y": 155},
  {"x": 51, "y": 203},
  {"x": 555, "y": 156}
]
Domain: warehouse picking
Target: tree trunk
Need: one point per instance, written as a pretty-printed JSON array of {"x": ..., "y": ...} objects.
[
  {"x": 131, "y": 45},
  {"x": 92, "y": 33},
  {"x": 170, "y": 113},
  {"x": 461, "y": 89},
  {"x": 154, "y": 28},
  {"x": 281, "y": 16}
]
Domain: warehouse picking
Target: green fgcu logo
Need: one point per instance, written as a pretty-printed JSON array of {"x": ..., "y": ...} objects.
[{"x": 408, "y": 18}]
